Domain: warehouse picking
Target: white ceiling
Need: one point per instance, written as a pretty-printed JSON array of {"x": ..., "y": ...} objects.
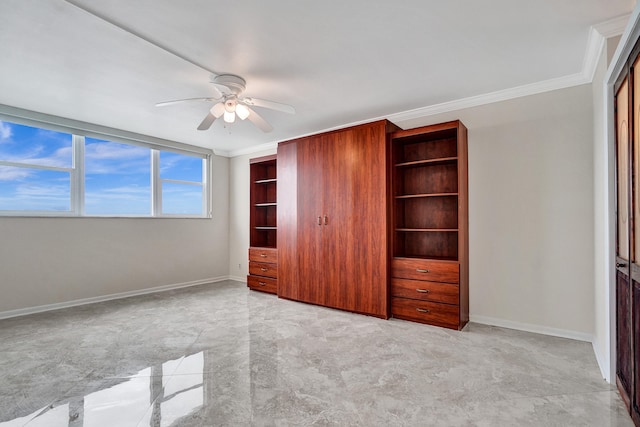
[{"x": 337, "y": 62}]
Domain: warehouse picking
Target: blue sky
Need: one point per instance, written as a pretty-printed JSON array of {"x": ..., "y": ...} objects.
[{"x": 117, "y": 176}]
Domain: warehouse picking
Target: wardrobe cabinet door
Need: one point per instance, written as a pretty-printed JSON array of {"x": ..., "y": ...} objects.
[
  {"x": 287, "y": 220},
  {"x": 311, "y": 261},
  {"x": 355, "y": 242}
]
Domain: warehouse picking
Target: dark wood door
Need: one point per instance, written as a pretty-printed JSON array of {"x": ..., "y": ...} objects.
[
  {"x": 634, "y": 244},
  {"x": 624, "y": 361}
]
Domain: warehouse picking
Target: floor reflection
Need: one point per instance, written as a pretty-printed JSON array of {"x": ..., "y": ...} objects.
[{"x": 154, "y": 396}]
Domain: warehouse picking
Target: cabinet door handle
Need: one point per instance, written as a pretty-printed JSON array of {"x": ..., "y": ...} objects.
[
  {"x": 423, "y": 291},
  {"x": 262, "y": 283},
  {"x": 319, "y": 220},
  {"x": 422, "y": 310},
  {"x": 620, "y": 264},
  {"x": 326, "y": 220},
  {"x": 421, "y": 270},
  {"x": 263, "y": 269},
  {"x": 263, "y": 255}
]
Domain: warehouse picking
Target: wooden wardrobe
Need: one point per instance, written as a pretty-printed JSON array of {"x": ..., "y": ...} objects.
[{"x": 333, "y": 213}]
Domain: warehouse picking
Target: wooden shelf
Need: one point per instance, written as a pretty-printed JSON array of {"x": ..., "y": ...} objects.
[
  {"x": 262, "y": 202},
  {"x": 433, "y": 258},
  {"x": 426, "y": 162},
  {"x": 427, "y": 229},
  {"x": 265, "y": 181},
  {"x": 413, "y": 196}
]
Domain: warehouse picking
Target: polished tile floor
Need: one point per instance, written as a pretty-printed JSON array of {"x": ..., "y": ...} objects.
[{"x": 222, "y": 355}]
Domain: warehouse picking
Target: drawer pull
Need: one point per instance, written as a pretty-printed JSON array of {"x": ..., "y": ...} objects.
[
  {"x": 421, "y": 270},
  {"x": 422, "y": 310},
  {"x": 423, "y": 291},
  {"x": 263, "y": 255},
  {"x": 263, "y": 269},
  {"x": 262, "y": 284}
]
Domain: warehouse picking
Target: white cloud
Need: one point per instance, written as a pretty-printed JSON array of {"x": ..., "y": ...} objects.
[
  {"x": 14, "y": 174},
  {"x": 5, "y": 132},
  {"x": 114, "y": 151}
]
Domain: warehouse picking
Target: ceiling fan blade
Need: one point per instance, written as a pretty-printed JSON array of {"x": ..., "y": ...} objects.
[
  {"x": 178, "y": 101},
  {"x": 257, "y": 120},
  {"x": 207, "y": 122},
  {"x": 257, "y": 102},
  {"x": 215, "y": 112}
]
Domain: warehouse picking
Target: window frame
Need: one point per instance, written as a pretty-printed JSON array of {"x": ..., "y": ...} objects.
[{"x": 79, "y": 131}]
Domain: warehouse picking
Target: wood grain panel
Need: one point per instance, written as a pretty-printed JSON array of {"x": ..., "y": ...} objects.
[
  {"x": 622, "y": 163},
  {"x": 263, "y": 269},
  {"x": 287, "y": 220},
  {"x": 623, "y": 332},
  {"x": 263, "y": 255},
  {"x": 463, "y": 222},
  {"x": 431, "y": 244},
  {"x": 427, "y": 212},
  {"x": 421, "y": 269},
  {"x": 262, "y": 175},
  {"x": 445, "y": 315},
  {"x": 438, "y": 178},
  {"x": 263, "y": 284},
  {"x": 310, "y": 262},
  {"x": 423, "y": 290},
  {"x": 424, "y": 146},
  {"x": 360, "y": 177}
]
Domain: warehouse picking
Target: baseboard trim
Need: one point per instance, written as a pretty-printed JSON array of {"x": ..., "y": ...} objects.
[
  {"x": 527, "y": 327},
  {"x": 242, "y": 279},
  {"x": 601, "y": 362},
  {"x": 120, "y": 295}
]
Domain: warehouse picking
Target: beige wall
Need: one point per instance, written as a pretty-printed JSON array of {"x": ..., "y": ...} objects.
[
  {"x": 55, "y": 260},
  {"x": 239, "y": 216}
]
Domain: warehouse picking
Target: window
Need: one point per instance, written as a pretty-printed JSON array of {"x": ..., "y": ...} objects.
[
  {"x": 46, "y": 172},
  {"x": 181, "y": 184},
  {"x": 36, "y": 169},
  {"x": 117, "y": 178}
]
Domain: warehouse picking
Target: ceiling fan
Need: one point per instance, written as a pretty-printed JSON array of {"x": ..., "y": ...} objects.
[{"x": 228, "y": 90}]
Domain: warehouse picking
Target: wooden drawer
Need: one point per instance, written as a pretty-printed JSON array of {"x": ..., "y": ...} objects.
[
  {"x": 263, "y": 269},
  {"x": 427, "y": 291},
  {"x": 264, "y": 284},
  {"x": 432, "y": 313},
  {"x": 263, "y": 255},
  {"x": 422, "y": 269}
]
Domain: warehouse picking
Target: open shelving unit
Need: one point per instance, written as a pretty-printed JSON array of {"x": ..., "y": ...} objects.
[
  {"x": 429, "y": 220},
  {"x": 263, "y": 256},
  {"x": 263, "y": 210}
]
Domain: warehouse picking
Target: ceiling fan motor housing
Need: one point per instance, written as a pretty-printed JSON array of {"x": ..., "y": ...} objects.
[{"x": 236, "y": 84}]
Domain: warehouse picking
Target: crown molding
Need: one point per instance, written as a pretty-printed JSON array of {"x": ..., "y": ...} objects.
[
  {"x": 489, "y": 98},
  {"x": 613, "y": 27},
  {"x": 250, "y": 150}
]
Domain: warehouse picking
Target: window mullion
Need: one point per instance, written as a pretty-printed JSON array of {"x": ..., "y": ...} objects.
[
  {"x": 77, "y": 176},
  {"x": 156, "y": 184},
  {"x": 206, "y": 172}
]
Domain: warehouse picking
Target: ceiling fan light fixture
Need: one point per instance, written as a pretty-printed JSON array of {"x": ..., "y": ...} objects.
[
  {"x": 242, "y": 111},
  {"x": 229, "y": 116}
]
